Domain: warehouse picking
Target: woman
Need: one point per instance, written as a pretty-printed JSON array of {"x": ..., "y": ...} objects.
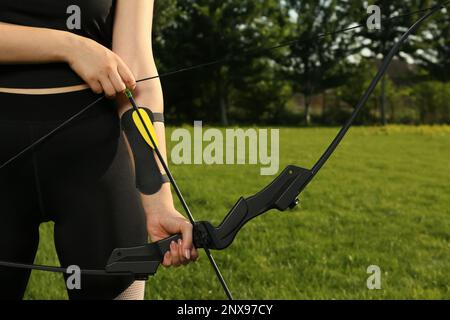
[{"x": 55, "y": 58}]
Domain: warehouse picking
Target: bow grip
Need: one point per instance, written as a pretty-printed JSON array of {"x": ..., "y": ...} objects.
[{"x": 141, "y": 261}]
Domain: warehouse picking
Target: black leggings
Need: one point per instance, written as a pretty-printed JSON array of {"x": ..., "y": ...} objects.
[{"x": 80, "y": 178}]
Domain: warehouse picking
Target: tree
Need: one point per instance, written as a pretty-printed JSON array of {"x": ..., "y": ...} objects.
[
  {"x": 205, "y": 30},
  {"x": 381, "y": 41},
  {"x": 314, "y": 65},
  {"x": 433, "y": 53},
  {"x": 433, "y": 56}
]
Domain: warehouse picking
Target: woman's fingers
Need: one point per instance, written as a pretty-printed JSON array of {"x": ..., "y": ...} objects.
[
  {"x": 167, "y": 261},
  {"x": 194, "y": 254},
  {"x": 108, "y": 87},
  {"x": 176, "y": 256},
  {"x": 182, "y": 253},
  {"x": 117, "y": 82},
  {"x": 126, "y": 76},
  {"x": 186, "y": 231},
  {"x": 121, "y": 77},
  {"x": 103, "y": 70},
  {"x": 114, "y": 83},
  {"x": 95, "y": 86}
]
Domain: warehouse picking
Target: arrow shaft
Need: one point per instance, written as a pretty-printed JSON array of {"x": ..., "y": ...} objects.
[{"x": 179, "y": 194}]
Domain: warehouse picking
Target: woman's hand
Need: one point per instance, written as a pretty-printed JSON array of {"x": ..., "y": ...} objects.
[
  {"x": 165, "y": 221},
  {"x": 103, "y": 70}
]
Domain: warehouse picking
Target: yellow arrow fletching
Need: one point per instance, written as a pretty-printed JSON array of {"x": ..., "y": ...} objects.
[{"x": 141, "y": 128}]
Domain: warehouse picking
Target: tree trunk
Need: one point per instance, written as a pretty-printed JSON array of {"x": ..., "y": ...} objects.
[
  {"x": 307, "y": 98},
  {"x": 324, "y": 102},
  {"x": 222, "y": 103},
  {"x": 383, "y": 101},
  {"x": 223, "y": 112},
  {"x": 393, "y": 117}
]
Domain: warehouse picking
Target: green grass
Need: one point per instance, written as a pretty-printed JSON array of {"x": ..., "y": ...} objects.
[{"x": 383, "y": 199}]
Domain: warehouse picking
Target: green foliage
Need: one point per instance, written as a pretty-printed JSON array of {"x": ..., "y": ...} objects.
[
  {"x": 381, "y": 41},
  {"x": 313, "y": 64},
  {"x": 432, "y": 99},
  {"x": 433, "y": 53},
  {"x": 349, "y": 95},
  {"x": 262, "y": 87},
  {"x": 373, "y": 203},
  {"x": 210, "y": 30},
  {"x": 425, "y": 102},
  {"x": 165, "y": 13}
]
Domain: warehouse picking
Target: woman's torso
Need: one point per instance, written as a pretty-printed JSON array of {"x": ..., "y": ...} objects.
[{"x": 95, "y": 22}]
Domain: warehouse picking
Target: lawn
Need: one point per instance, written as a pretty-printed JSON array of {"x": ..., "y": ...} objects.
[{"x": 383, "y": 199}]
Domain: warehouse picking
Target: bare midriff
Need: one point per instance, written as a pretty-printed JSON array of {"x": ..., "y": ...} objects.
[{"x": 44, "y": 91}]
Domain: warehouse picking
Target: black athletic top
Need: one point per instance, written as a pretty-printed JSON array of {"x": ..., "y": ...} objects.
[{"x": 95, "y": 21}]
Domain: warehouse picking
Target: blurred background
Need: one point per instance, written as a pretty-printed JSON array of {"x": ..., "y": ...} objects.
[{"x": 316, "y": 80}]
